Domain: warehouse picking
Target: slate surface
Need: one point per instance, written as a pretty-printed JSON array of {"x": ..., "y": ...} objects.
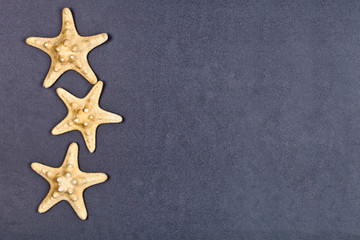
[{"x": 242, "y": 120}]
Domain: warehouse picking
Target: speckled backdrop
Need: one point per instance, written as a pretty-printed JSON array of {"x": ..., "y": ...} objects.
[{"x": 242, "y": 120}]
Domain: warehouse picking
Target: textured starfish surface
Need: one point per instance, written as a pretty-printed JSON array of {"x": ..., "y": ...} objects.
[
  {"x": 68, "y": 51},
  {"x": 84, "y": 115},
  {"x": 67, "y": 182}
]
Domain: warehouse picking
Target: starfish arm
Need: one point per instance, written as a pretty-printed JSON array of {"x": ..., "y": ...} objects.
[
  {"x": 63, "y": 127},
  {"x": 44, "y": 44},
  {"x": 68, "y": 48},
  {"x": 87, "y": 73},
  {"x": 71, "y": 158},
  {"x": 108, "y": 117},
  {"x": 45, "y": 171},
  {"x": 67, "y": 98},
  {"x": 89, "y": 136},
  {"x": 48, "y": 202},
  {"x": 54, "y": 73},
  {"x": 96, "y": 40},
  {"x": 94, "y": 178},
  {"x": 68, "y": 24},
  {"x": 79, "y": 207},
  {"x": 95, "y": 92}
]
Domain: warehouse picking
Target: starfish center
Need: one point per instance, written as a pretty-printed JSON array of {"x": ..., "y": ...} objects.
[
  {"x": 66, "y": 52},
  {"x": 83, "y": 117},
  {"x": 66, "y": 183}
]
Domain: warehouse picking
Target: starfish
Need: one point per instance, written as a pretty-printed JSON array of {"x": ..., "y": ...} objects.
[
  {"x": 67, "y": 182},
  {"x": 84, "y": 115},
  {"x": 68, "y": 51}
]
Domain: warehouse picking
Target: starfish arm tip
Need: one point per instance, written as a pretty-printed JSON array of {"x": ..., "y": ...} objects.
[
  {"x": 97, "y": 40},
  {"x": 38, "y": 167},
  {"x": 46, "y": 85},
  {"x": 29, "y": 40},
  {"x": 104, "y": 177},
  {"x": 41, "y": 208},
  {"x": 95, "y": 91},
  {"x": 90, "y": 145},
  {"x": 93, "y": 80},
  {"x": 34, "y": 165},
  {"x": 32, "y": 41},
  {"x": 98, "y": 85},
  {"x": 66, "y": 10},
  {"x": 110, "y": 117},
  {"x": 105, "y": 36},
  {"x": 54, "y": 131},
  {"x": 49, "y": 80},
  {"x": 101, "y": 38},
  {"x": 60, "y": 129},
  {"x": 66, "y": 97},
  {"x": 82, "y": 215},
  {"x": 80, "y": 209},
  {"x": 60, "y": 91},
  {"x": 91, "y": 148},
  {"x": 74, "y": 147}
]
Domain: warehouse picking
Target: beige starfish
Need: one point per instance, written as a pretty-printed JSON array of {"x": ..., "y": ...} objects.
[
  {"x": 67, "y": 182},
  {"x": 68, "y": 51},
  {"x": 84, "y": 115}
]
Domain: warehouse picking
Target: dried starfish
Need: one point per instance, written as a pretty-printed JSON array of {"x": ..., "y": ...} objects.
[
  {"x": 84, "y": 115},
  {"x": 68, "y": 51},
  {"x": 67, "y": 182}
]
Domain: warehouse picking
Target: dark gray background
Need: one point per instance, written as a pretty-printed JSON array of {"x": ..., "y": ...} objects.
[{"x": 242, "y": 120}]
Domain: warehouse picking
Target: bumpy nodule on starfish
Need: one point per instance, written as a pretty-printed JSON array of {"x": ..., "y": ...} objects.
[
  {"x": 68, "y": 51},
  {"x": 84, "y": 115},
  {"x": 67, "y": 182}
]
